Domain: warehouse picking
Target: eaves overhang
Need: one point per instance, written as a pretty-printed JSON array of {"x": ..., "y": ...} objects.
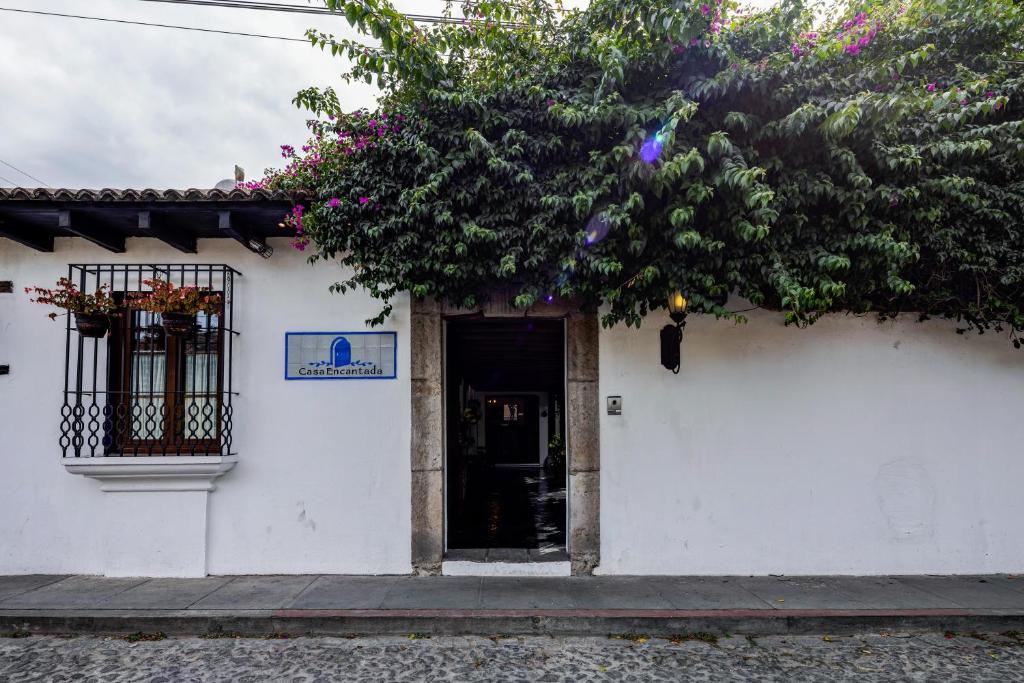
[{"x": 35, "y": 216}]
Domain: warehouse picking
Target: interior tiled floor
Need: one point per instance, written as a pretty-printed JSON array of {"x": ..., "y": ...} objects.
[{"x": 511, "y": 507}]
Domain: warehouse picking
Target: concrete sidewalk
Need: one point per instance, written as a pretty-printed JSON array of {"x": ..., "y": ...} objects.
[{"x": 337, "y": 605}]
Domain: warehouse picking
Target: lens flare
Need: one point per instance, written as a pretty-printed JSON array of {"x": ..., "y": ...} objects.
[
  {"x": 597, "y": 228},
  {"x": 650, "y": 151}
]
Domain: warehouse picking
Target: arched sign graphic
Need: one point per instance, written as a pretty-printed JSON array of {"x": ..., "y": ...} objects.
[{"x": 341, "y": 351}]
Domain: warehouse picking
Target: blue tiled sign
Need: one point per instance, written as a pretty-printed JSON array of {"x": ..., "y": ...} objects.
[{"x": 340, "y": 355}]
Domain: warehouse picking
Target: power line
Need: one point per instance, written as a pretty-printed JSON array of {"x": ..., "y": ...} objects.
[
  {"x": 9, "y": 181},
  {"x": 27, "y": 175},
  {"x": 144, "y": 23},
  {"x": 278, "y": 7},
  {"x": 417, "y": 18}
]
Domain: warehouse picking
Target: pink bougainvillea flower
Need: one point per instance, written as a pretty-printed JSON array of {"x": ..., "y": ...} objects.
[
  {"x": 334, "y": 202},
  {"x": 705, "y": 9},
  {"x": 551, "y": 103},
  {"x": 930, "y": 87},
  {"x": 363, "y": 200},
  {"x": 989, "y": 95}
]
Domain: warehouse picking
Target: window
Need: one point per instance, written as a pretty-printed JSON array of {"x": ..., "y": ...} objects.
[
  {"x": 171, "y": 385},
  {"x": 141, "y": 391}
]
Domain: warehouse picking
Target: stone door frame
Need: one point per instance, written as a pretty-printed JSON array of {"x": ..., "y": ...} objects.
[{"x": 582, "y": 436}]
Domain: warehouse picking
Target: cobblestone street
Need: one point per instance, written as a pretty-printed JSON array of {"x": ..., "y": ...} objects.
[{"x": 931, "y": 657}]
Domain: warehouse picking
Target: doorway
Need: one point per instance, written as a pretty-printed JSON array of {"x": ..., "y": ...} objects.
[{"x": 505, "y": 458}]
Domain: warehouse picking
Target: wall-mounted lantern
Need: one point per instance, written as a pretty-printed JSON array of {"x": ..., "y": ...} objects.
[{"x": 672, "y": 335}]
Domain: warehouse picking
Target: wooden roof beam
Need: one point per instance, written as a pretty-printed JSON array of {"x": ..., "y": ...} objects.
[
  {"x": 23, "y": 234},
  {"x": 152, "y": 226},
  {"x": 231, "y": 227},
  {"x": 100, "y": 235}
]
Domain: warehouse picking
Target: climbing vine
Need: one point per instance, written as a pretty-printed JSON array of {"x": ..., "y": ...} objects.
[{"x": 865, "y": 157}]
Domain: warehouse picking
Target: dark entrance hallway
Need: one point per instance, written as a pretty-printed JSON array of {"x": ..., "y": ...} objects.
[{"x": 505, "y": 400}]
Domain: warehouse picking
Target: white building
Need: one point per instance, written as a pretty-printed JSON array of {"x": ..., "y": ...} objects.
[{"x": 249, "y": 446}]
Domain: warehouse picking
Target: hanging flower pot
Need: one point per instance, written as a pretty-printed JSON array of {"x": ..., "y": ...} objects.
[
  {"x": 92, "y": 325},
  {"x": 179, "y": 324},
  {"x": 177, "y": 306},
  {"x": 91, "y": 311}
]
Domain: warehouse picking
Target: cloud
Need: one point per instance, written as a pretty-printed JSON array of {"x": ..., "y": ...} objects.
[{"x": 88, "y": 104}]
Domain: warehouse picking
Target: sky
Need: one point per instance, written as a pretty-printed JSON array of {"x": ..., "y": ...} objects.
[{"x": 85, "y": 104}]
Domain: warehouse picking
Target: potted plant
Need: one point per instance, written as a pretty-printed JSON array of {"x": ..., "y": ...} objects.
[
  {"x": 177, "y": 306},
  {"x": 92, "y": 311},
  {"x": 555, "y": 462}
]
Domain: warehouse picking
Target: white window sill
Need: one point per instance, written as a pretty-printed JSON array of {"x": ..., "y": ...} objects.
[{"x": 153, "y": 473}]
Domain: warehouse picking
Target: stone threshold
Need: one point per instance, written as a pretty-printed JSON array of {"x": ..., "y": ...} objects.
[{"x": 514, "y": 562}]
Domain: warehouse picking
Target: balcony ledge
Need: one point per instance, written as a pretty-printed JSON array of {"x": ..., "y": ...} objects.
[{"x": 153, "y": 473}]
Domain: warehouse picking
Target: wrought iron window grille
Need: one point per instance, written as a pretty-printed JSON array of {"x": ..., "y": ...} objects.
[{"x": 139, "y": 391}]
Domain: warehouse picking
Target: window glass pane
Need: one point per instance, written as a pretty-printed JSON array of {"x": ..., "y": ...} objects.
[
  {"x": 202, "y": 403},
  {"x": 148, "y": 376}
]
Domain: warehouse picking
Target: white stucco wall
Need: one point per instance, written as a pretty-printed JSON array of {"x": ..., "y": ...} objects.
[
  {"x": 850, "y": 447},
  {"x": 847, "y": 448},
  {"x": 322, "y": 483}
]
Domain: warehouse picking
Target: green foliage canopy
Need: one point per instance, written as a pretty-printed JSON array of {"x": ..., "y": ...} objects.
[{"x": 867, "y": 158}]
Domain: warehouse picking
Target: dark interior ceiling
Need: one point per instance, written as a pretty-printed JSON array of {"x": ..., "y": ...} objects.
[{"x": 516, "y": 354}]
